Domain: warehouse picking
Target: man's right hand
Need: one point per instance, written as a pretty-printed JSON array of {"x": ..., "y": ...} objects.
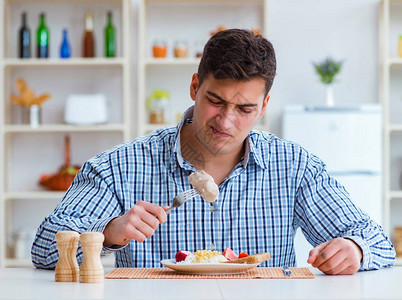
[{"x": 139, "y": 223}]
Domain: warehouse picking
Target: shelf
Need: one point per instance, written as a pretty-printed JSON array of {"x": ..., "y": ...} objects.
[
  {"x": 395, "y": 194},
  {"x": 172, "y": 62},
  {"x": 395, "y": 128},
  {"x": 62, "y": 128},
  {"x": 58, "y": 62},
  {"x": 18, "y": 263},
  {"x": 34, "y": 195}
]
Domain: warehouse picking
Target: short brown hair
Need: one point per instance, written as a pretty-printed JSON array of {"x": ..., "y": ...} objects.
[{"x": 238, "y": 54}]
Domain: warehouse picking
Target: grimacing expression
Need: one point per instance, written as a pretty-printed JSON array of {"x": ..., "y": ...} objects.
[{"x": 225, "y": 111}]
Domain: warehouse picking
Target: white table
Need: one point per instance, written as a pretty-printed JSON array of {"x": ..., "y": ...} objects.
[{"x": 28, "y": 283}]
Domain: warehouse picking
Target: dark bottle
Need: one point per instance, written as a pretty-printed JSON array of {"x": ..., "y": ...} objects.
[
  {"x": 42, "y": 38},
  {"x": 110, "y": 37},
  {"x": 24, "y": 38},
  {"x": 65, "y": 49},
  {"x": 89, "y": 41}
]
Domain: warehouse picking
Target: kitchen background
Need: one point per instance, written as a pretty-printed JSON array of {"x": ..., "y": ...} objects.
[{"x": 135, "y": 88}]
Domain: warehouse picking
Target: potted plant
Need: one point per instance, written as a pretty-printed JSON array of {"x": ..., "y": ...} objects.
[{"x": 327, "y": 71}]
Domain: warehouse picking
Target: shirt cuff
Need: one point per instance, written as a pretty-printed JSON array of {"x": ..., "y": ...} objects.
[
  {"x": 367, "y": 256},
  {"x": 99, "y": 226}
]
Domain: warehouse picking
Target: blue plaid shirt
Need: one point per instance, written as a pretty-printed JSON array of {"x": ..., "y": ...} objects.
[{"x": 276, "y": 188}]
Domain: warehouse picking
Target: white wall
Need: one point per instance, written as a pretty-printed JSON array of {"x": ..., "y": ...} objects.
[{"x": 310, "y": 30}]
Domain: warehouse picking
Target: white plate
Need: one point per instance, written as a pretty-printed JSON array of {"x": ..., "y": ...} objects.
[{"x": 219, "y": 268}]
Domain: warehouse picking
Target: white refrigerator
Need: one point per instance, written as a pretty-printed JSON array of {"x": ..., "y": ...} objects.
[{"x": 349, "y": 141}]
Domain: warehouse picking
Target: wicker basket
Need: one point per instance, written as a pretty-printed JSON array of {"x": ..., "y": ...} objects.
[
  {"x": 61, "y": 180},
  {"x": 57, "y": 182},
  {"x": 398, "y": 241}
]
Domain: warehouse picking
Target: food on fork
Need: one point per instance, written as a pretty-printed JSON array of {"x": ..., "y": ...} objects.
[{"x": 205, "y": 185}]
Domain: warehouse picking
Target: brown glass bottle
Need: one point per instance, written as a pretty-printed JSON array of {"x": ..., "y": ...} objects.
[{"x": 89, "y": 41}]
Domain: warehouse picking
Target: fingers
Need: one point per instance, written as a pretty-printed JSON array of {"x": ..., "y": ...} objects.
[
  {"x": 315, "y": 252},
  {"x": 165, "y": 208},
  {"x": 139, "y": 223},
  {"x": 142, "y": 220},
  {"x": 325, "y": 254},
  {"x": 338, "y": 256},
  {"x": 154, "y": 210}
]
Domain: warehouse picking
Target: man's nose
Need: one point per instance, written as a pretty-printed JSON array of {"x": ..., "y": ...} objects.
[{"x": 227, "y": 116}]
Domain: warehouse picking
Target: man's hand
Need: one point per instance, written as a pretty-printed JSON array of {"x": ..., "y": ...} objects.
[
  {"x": 336, "y": 257},
  {"x": 139, "y": 223}
]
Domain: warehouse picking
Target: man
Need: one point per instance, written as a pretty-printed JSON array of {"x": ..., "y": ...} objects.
[{"x": 268, "y": 187}]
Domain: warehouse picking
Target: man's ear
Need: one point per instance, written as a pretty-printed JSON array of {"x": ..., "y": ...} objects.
[
  {"x": 194, "y": 86},
  {"x": 264, "y": 106}
]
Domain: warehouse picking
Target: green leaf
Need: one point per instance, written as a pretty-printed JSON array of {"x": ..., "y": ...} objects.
[{"x": 328, "y": 69}]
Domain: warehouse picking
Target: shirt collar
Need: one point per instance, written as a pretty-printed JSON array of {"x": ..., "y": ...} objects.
[{"x": 250, "y": 145}]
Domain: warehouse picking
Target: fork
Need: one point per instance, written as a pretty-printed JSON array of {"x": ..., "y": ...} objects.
[
  {"x": 182, "y": 198},
  {"x": 286, "y": 271}
]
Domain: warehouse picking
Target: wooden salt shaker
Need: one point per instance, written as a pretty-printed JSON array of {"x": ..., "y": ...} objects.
[
  {"x": 67, "y": 269},
  {"x": 91, "y": 270}
]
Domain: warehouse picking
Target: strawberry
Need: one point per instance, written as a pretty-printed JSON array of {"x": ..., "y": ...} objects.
[
  {"x": 181, "y": 255},
  {"x": 242, "y": 254},
  {"x": 229, "y": 254}
]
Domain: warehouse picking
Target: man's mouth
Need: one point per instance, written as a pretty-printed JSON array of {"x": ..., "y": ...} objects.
[{"x": 219, "y": 133}]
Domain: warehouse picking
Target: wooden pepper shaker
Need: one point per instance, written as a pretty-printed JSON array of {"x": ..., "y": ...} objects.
[
  {"x": 91, "y": 270},
  {"x": 67, "y": 269}
]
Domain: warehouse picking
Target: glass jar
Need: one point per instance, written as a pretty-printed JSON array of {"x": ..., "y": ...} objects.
[
  {"x": 400, "y": 46},
  {"x": 159, "y": 49},
  {"x": 157, "y": 105},
  {"x": 180, "y": 49}
]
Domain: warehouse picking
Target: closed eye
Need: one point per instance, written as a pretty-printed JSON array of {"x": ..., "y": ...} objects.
[
  {"x": 215, "y": 102},
  {"x": 245, "y": 110}
]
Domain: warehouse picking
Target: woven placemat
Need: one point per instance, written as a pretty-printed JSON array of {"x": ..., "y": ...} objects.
[{"x": 163, "y": 273}]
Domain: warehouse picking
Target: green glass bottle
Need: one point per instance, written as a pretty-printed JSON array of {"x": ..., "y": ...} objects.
[
  {"x": 42, "y": 38},
  {"x": 110, "y": 37}
]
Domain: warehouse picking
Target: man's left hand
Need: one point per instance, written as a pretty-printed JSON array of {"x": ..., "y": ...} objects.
[{"x": 339, "y": 256}]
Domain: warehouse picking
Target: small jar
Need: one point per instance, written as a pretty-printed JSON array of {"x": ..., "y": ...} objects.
[
  {"x": 157, "y": 105},
  {"x": 159, "y": 49},
  {"x": 23, "y": 240},
  {"x": 400, "y": 46},
  {"x": 398, "y": 240},
  {"x": 180, "y": 49}
]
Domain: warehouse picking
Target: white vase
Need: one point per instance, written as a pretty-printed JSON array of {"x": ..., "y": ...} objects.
[
  {"x": 330, "y": 95},
  {"x": 31, "y": 115}
]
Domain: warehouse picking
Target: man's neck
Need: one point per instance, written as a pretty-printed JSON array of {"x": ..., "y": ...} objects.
[{"x": 218, "y": 165}]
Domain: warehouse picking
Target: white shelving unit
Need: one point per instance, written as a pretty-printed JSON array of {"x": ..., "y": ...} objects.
[
  {"x": 391, "y": 98},
  {"x": 182, "y": 24},
  {"x": 27, "y": 152}
]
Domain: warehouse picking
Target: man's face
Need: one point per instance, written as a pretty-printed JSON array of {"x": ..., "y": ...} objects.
[{"x": 225, "y": 111}]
